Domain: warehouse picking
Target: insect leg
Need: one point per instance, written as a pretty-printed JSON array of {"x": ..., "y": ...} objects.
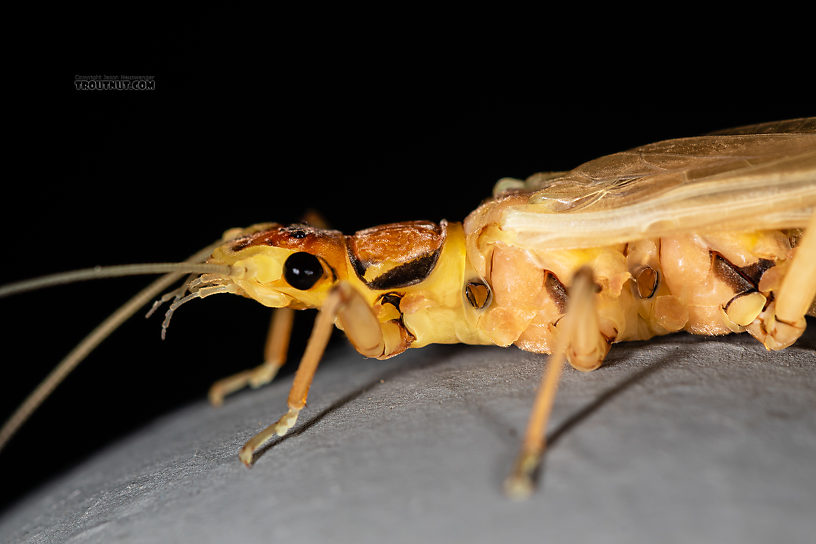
[
  {"x": 345, "y": 304},
  {"x": 277, "y": 344},
  {"x": 573, "y": 337},
  {"x": 587, "y": 345},
  {"x": 783, "y": 321}
]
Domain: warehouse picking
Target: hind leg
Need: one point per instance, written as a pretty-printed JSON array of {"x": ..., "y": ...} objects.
[{"x": 782, "y": 321}]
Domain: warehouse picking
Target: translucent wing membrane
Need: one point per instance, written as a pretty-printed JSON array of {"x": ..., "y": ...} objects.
[{"x": 763, "y": 175}]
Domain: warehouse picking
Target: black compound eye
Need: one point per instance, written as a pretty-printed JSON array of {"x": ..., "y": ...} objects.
[{"x": 302, "y": 270}]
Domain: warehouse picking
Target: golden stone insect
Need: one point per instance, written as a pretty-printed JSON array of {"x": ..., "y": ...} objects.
[{"x": 710, "y": 235}]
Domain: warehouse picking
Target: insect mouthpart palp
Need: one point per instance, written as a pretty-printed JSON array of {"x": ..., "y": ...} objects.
[
  {"x": 177, "y": 294},
  {"x": 196, "y": 286}
]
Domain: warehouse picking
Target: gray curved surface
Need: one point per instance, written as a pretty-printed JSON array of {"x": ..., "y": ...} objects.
[{"x": 682, "y": 439}]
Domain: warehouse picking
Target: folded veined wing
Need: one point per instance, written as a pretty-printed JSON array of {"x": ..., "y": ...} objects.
[{"x": 749, "y": 178}]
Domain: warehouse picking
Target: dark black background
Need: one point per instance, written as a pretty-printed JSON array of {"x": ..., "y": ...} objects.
[{"x": 258, "y": 116}]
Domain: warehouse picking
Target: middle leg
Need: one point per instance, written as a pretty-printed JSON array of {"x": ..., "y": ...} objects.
[{"x": 578, "y": 339}]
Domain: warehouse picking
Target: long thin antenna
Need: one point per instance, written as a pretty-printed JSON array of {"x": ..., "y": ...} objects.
[
  {"x": 89, "y": 343},
  {"x": 99, "y": 272}
]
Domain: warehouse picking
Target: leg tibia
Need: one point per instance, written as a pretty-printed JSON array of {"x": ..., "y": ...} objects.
[
  {"x": 345, "y": 304},
  {"x": 798, "y": 287}
]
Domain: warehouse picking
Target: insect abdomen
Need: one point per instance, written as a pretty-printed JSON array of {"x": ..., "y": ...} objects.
[{"x": 703, "y": 284}]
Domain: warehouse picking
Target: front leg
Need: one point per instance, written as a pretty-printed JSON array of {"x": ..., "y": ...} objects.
[{"x": 347, "y": 305}]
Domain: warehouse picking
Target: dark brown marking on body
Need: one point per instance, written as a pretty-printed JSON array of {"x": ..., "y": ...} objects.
[
  {"x": 404, "y": 275},
  {"x": 391, "y": 298},
  {"x": 741, "y": 279},
  {"x": 356, "y": 264},
  {"x": 754, "y": 272},
  {"x": 407, "y": 274},
  {"x": 730, "y": 274},
  {"x": 556, "y": 290}
]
